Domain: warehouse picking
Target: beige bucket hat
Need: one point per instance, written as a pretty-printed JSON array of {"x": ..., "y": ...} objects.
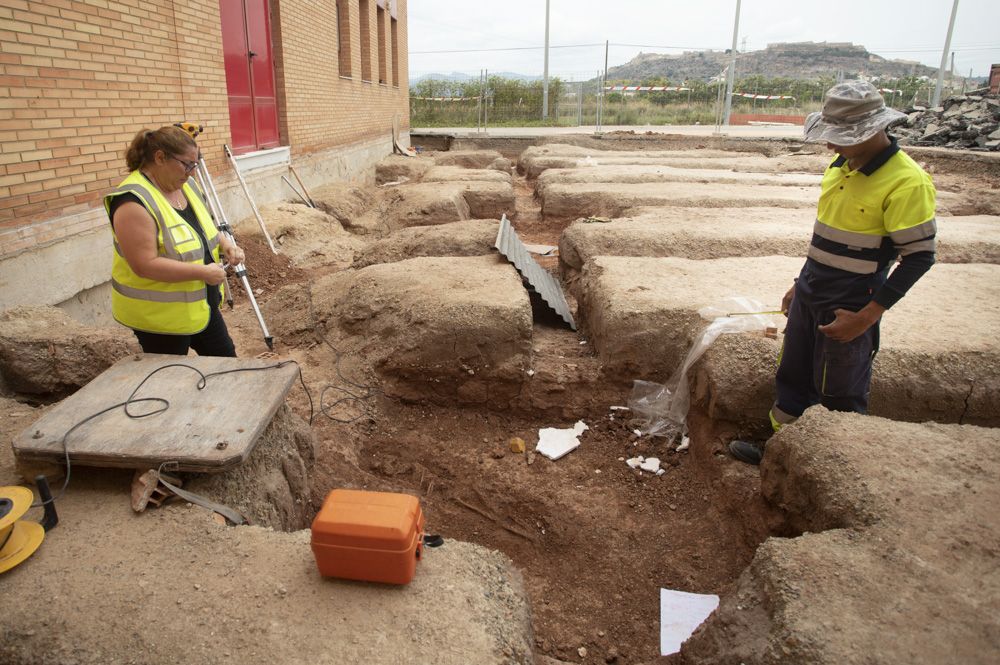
[{"x": 853, "y": 112}]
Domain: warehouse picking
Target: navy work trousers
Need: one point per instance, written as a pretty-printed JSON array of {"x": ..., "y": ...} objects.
[
  {"x": 815, "y": 369},
  {"x": 214, "y": 340}
]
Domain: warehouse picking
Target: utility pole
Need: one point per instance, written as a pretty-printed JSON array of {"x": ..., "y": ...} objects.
[
  {"x": 951, "y": 75},
  {"x": 730, "y": 80},
  {"x": 545, "y": 74},
  {"x": 606, "y": 43},
  {"x": 944, "y": 57}
]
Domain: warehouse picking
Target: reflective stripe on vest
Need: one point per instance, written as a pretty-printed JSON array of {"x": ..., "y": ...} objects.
[
  {"x": 179, "y": 308},
  {"x": 868, "y": 217},
  {"x": 159, "y": 296}
]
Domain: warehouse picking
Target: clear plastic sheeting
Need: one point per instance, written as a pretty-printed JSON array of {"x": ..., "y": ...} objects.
[{"x": 661, "y": 409}]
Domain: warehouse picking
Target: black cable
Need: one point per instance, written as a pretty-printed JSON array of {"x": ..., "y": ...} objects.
[
  {"x": 362, "y": 401},
  {"x": 165, "y": 404}
]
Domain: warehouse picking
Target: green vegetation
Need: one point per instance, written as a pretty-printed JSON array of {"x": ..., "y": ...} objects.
[{"x": 514, "y": 103}]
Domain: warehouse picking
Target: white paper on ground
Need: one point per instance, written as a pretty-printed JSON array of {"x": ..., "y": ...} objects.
[
  {"x": 651, "y": 464},
  {"x": 554, "y": 442},
  {"x": 680, "y": 614}
]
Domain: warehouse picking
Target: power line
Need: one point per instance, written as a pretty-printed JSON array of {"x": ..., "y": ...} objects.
[
  {"x": 510, "y": 48},
  {"x": 689, "y": 48}
]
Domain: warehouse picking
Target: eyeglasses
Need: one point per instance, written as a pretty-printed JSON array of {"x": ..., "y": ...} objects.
[{"x": 188, "y": 166}]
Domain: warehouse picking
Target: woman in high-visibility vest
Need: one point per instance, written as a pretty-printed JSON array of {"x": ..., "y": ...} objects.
[{"x": 166, "y": 277}]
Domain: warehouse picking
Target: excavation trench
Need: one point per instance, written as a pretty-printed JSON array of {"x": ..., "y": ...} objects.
[
  {"x": 594, "y": 538},
  {"x": 405, "y": 399}
]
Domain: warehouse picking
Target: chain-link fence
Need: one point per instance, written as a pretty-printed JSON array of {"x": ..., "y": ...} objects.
[{"x": 517, "y": 103}]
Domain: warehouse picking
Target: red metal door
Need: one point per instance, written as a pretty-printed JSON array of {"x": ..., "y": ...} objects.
[{"x": 246, "y": 45}]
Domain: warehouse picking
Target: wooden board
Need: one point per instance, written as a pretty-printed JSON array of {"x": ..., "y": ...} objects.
[{"x": 208, "y": 430}]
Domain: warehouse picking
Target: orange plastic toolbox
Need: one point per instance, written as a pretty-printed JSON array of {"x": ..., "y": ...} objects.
[{"x": 372, "y": 536}]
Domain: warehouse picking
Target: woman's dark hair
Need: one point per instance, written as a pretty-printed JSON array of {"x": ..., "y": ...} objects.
[{"x": 171, "y": 140}]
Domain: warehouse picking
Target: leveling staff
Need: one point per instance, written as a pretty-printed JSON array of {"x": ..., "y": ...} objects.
[
  {"x": 166, "y": 278},
  {"x": 876, "y": 205}
]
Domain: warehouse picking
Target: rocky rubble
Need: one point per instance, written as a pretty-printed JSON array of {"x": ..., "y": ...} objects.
[{"x": 963, "y": 121}]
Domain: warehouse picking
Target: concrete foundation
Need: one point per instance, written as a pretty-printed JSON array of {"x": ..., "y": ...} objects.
[{"x": 936, "y": 361}]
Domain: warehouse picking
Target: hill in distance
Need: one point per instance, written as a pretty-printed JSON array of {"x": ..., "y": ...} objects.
[{"x": 799, "y": 60}]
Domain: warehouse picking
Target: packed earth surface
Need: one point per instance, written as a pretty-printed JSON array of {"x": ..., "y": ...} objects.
[{"x": 428, "y": 367}]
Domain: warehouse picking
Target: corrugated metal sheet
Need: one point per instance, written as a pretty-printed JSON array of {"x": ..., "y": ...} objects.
[{"x": 538, "y": 278}]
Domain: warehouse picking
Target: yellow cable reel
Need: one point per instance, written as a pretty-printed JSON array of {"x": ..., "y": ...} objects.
[{"x": 18, "y": 538}]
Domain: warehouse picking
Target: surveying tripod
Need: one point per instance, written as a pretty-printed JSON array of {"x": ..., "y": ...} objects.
[{"x": 222, "y": 223}]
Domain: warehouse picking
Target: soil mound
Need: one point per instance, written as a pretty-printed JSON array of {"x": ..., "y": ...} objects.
[
  {"x": 473, "y": 237},
  {"x": 43, "y": 351},
  {"x": 904, "y": 562},
  {"x": 451, "y": 328}
]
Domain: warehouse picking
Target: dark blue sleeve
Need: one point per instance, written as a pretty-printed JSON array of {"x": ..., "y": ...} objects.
[{"x": 911, "y": 268}]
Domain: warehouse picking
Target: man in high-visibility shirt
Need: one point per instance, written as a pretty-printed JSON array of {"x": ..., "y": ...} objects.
[{"x": 876, "y": 205}]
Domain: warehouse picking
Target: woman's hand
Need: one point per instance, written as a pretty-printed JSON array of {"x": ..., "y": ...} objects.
[
  {"x": 234, "y": 254},
  {"x": 213, "y": 274}
]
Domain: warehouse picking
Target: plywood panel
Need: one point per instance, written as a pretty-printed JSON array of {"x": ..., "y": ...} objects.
[{"x": 207, "y": 430}]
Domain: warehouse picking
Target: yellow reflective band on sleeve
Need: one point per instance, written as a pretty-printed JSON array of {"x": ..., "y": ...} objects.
[
  {"x": 919, "y": 246},
  {"x": 913, "y": 233},
  {"x": 779, "y": 418}
]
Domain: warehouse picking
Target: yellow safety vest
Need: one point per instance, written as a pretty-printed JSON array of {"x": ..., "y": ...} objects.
[{"x": 173, "y": 308}]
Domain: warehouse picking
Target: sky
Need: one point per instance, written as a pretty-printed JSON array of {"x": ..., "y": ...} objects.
[{"x": 894, "y": 29}]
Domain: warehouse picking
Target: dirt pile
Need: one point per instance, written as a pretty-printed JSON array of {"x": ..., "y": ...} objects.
[
  {"x": 309, "y": 237},
  {"x": 963, "y": 121},
  {"x": 45, "y": 352},
  {"x": 537, "y": 159},
  {"x": 435, "y": 329},
  {"x": 272, "y": 488},
  {"x": 442, "y": 202},
  {"x": 642, "y": 318},
  {"x": 897, "y": 560},
  {"x": 691, "y": 233},
  {"x": 474, "y": 159},
  {"x": 173, "y": 586},
  {"x": 473, "y": 237}
]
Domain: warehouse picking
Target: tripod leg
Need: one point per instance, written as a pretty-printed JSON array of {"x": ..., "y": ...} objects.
[{"x": 215, "y": 204}]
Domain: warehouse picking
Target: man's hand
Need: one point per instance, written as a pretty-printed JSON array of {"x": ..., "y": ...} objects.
[
  {"x": 848, "y": 325},
  {"x": 786, "y": 302}
]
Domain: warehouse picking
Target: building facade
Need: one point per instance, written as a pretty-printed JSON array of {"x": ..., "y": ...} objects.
[{"x": 321, "y": 84}]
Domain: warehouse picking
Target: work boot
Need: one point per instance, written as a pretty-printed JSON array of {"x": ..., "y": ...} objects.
[{"x": 744, "y": 451}]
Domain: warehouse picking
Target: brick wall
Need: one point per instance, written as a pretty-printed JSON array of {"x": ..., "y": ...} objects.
[
  {"x": 78, "y": 78},
  {"x": 321, "y": 108}
]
